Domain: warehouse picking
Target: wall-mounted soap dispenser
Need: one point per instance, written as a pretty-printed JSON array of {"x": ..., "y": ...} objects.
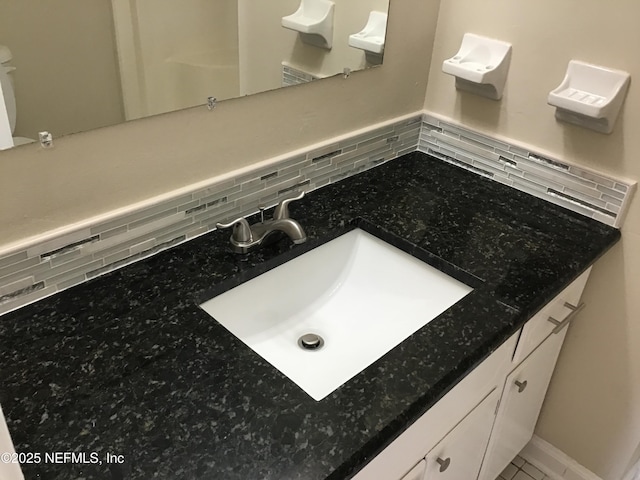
[
  {"x": 313, "y": 21},
  {"x": 590, "y": 96},
  {"x": 480, "y": 66},
  {"x": 372, "y": 37}
]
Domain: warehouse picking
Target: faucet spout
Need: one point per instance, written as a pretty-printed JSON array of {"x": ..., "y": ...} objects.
[
  {"x": 247, "y": 236},
  {"x": 286, "y": 225}
]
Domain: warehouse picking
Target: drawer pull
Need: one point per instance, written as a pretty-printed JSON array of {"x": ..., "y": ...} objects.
[
  {"x": 444, "y": 464},
  {"x": 521, "y": 385},
  {"x": 561, "y": 324}
]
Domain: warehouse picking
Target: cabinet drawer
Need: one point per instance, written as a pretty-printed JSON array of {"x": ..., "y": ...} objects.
[{"x": 541, "y": 325}]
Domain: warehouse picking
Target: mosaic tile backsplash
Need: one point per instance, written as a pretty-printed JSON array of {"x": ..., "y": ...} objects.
[
  {"x": 589, "y": 193},
  {"x": 56, "y": 264},
  {"x": 293, "y": 76}
]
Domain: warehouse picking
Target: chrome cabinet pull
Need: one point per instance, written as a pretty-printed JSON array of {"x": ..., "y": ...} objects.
[
  {"x": 521, "y": 385},
  {"x": 444, "y": 464},
  {"x": 561, "y": 324}
]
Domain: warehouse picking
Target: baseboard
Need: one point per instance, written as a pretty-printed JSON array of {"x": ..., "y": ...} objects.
[{"x": 555, "y": 463}]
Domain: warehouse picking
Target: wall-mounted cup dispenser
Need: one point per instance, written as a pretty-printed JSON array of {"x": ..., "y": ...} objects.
[
  {"x": 590, "y": 96},
  {"x": 372, "y": 37},
  {"x": 480, "y": 66},
  {"x": 313, "y": 21}
]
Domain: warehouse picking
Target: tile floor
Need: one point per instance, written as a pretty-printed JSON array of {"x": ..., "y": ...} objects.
[{"x": 519, "y": 469}]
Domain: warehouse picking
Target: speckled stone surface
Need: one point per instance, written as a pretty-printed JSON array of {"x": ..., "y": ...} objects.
[{"x": 129, "y": 364}]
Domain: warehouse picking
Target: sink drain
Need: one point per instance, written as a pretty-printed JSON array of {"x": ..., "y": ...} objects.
[{"x": 311, "y": 341}]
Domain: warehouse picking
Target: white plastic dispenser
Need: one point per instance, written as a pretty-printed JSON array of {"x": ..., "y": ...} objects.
[
  {"x": 313, "y": 21},
  {"x": 480, "y": 66},
  {"x": 590, "y": 96},
  {"x": 371, "y": 38}
]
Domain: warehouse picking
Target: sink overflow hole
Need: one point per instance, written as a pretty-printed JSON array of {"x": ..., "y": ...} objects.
[{"x": 311, "y": 341}]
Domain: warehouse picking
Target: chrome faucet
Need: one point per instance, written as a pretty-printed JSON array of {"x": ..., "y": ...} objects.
[{"x": 245, "y": 236}]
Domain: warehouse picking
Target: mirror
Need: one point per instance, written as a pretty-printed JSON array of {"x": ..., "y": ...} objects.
[{"x": 83, "y": 65}]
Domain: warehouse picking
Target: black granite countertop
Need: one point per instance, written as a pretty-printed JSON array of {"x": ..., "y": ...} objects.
[{"x": 129, "y": 364}]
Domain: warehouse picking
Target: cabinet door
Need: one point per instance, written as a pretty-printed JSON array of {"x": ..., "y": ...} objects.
[
  {"x": 524, "y": 392},
  {"x": 417, "y": 472},
  {"x": 459, "y": 454}
]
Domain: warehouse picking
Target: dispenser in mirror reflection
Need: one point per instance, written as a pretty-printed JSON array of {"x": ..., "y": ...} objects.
[{"x": 169, "y": 56}]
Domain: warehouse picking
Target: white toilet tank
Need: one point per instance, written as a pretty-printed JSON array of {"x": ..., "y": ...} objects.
[
  {"x": 7, "y": 85},
  {"x": 6, "y": 80}
]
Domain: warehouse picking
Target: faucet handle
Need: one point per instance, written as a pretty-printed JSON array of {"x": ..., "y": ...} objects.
[
  {"x": 282, "y": 210},
  {"x": 241, "y": 229}
]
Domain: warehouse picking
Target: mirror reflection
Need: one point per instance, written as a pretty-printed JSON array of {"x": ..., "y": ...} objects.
[{"x": 69, "y": 66}]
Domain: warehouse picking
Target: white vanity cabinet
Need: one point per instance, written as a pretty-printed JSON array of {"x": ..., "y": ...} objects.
[
  {"x": 479, "y": 426},
  {"x": 526, "y": 386}
]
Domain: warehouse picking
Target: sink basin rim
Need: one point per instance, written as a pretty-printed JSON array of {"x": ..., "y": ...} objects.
[{"x": 276, "y": 339}]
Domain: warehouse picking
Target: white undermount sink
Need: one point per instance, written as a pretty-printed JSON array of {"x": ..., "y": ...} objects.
[{"x": 361, "y": 295}]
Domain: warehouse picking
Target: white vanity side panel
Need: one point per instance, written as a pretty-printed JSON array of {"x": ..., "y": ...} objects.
[
  {"x": 425, "y": 433},
  {"x": 8, "y": 471}
]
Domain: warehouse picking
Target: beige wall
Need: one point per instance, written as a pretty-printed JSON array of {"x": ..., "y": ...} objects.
[
  {"x": 67, "y": 77},
  {"x": 592, "y": 411},
  {"x": 96, "y": 172}
]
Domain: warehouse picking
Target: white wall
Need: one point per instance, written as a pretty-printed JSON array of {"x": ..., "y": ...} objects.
[
  {"x": 592, "y": 411},
  {"x": 259, "y": 23},
  {"x": 182, "y": 51}
]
